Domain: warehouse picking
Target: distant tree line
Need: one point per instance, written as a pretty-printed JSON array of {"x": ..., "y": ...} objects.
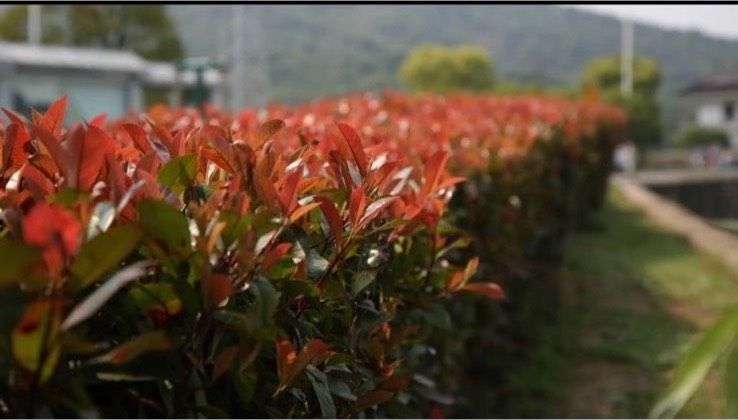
[{"x": 143, "y": 28}]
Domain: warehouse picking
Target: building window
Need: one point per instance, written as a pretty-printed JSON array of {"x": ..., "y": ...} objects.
[{"x": 729, "y": 110}]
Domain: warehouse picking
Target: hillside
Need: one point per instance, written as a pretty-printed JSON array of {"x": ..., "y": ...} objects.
[{"x": 319, "y": 50}]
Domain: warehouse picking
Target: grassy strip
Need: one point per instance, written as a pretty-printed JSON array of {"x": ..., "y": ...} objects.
[{"x": 634, "y": 295}]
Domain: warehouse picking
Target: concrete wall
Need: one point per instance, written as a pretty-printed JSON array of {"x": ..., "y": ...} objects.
[{"x": 713, "y": 195}]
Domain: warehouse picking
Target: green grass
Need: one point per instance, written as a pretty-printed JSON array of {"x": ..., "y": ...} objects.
[{"x": 638, "y": 296}]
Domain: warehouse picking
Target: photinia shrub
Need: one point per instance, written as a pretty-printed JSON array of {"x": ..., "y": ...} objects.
[
  {"x": 200, "y": 269},
  {"x": 286, "y": 262}
]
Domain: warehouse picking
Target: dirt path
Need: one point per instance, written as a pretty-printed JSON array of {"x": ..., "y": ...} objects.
[{"x": 641, "y": 293}]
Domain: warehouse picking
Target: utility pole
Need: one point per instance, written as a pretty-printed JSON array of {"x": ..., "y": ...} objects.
[
  {"x": 626, "y": 58},
  {"x": 34, "y": 24}
]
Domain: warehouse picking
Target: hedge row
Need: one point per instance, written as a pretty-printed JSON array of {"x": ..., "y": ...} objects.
[{"x": 287, "y": 262}]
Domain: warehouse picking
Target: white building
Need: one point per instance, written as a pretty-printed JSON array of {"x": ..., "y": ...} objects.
[
  {"x": 95, "y": 80},
  {"x": 712, "y": 102}
]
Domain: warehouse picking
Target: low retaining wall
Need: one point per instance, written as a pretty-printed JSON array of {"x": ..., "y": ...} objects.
[
  {"x": 676, "y": 218},
  {"x": 711, "y": 194}
]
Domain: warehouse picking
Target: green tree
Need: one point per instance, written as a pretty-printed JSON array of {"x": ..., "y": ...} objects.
[
  {"x": 145, "y": 29},
  {"x": 641, "y": 107},
  {"x": 13, "y": 24},
  {"x": 447, "y": 69}
]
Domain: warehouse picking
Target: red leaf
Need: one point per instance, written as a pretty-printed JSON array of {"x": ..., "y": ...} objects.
[
  {"x": 357, "y": 205},
  {"x": 274, "y": 255},
  {"x": 354, "y": 142},
  {"x": 372, "y": 398},
  {"x": 217, "y": 288},
  {"x": 301, "y": 211},
  {"x": 54, "y": 147},
  {"x": 139, "y": 138},
  {"x": 39, "y": 184},
  {"x": 223, "y": 362},
  {"x": 14, "y": 117},
  {"x": 374, "y": 209},
  {"x": 165, "y": 138},
  {"x": 434, "y": 168},
  {"x": 15, "y": 139},
  {"x": 153, "y": 341},
  {"x": 396, "y": 383},
  {"x": 86, "y": 151},
  {"x": 288, "y": 195},
  {"x": 53, "y": 119},
  {"x": 289, "y": 365},
  {"x": 490, "y": 290},
  {"x": 264, "y": 185},
  {"x": 286, "y": 356},
  {"x": 334, "y": 218},
  {"x": 436, "y": 411},
  {"x": 55, "y": 230},
  {"x": 99, "y": 121},
  {"x": 268, "y": 129}
]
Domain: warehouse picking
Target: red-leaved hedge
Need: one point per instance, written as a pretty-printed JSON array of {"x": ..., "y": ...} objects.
[{"x": 291, "y": 261}]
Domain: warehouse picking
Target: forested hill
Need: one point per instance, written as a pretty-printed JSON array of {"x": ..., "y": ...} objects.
[{"x": 319, "y": 50}]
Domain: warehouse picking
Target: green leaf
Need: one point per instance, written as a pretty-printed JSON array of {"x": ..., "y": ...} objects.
[
  {"x": 160, "y": 295},
  {"x": 321, "y": 389},
  {"x": 362, "y": 279},
  {"x": 245, "y": 384},
  {"x": 316, "y": 265},
  {"x": 267, "y": 300},
  {"x": 212, "y": 412},
  {"x": 164, "y": 223},
  {"x": 152, "y": 341},
  {"x": 178, "y": 173},
  {"x": 15, "y": 260},
  {"x": 731, "y": 384},
  {"x": 695, "y": 366},
  {"x": 235, "y": 321},
  {"x": 339, "y": 388},
  {"x": 103, "y": 253},
  {"x": 437, "y": 316},
  {"x": 236, "y": 225},
  {"x": 124, "y": 377},
  {"x": 97, "y": 299}
]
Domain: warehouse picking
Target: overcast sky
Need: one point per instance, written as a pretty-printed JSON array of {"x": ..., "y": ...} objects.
[{"x": 716, "y": 20}]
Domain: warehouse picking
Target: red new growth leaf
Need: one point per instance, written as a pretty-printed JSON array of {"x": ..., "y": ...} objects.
[
  {"x": 139, "y": 138},
  {"x": 55, "y": 230},
  {"x": 288, "y": 195},
  {"x": 290, "y": 365},
  {"x": 223, "y": 362},
  {"x": 53, "y": 119},
  {"x": 86, "y": 151},
  {"x": 434, "y": 169},
  {"x": 264, "y": 185},
  {"x": 286, "y": 356},
  {"x": 14, "y": 117},
  {"x": 490, "y": 290},
  {"x": 217, "y": 288},
  {"x": 99, "y": 121},
  {"x": 354, "y": 142},
  {"x": 165, "y": 138},
  {"x": 267, "y": 130},
  {"x": 357, "y": 205},
  {"x": 274, "y": 255},
  {"x": 301, "y": 211},
  {"x": 334, "y": 218},
  {"x": 15, "y": 139}
]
